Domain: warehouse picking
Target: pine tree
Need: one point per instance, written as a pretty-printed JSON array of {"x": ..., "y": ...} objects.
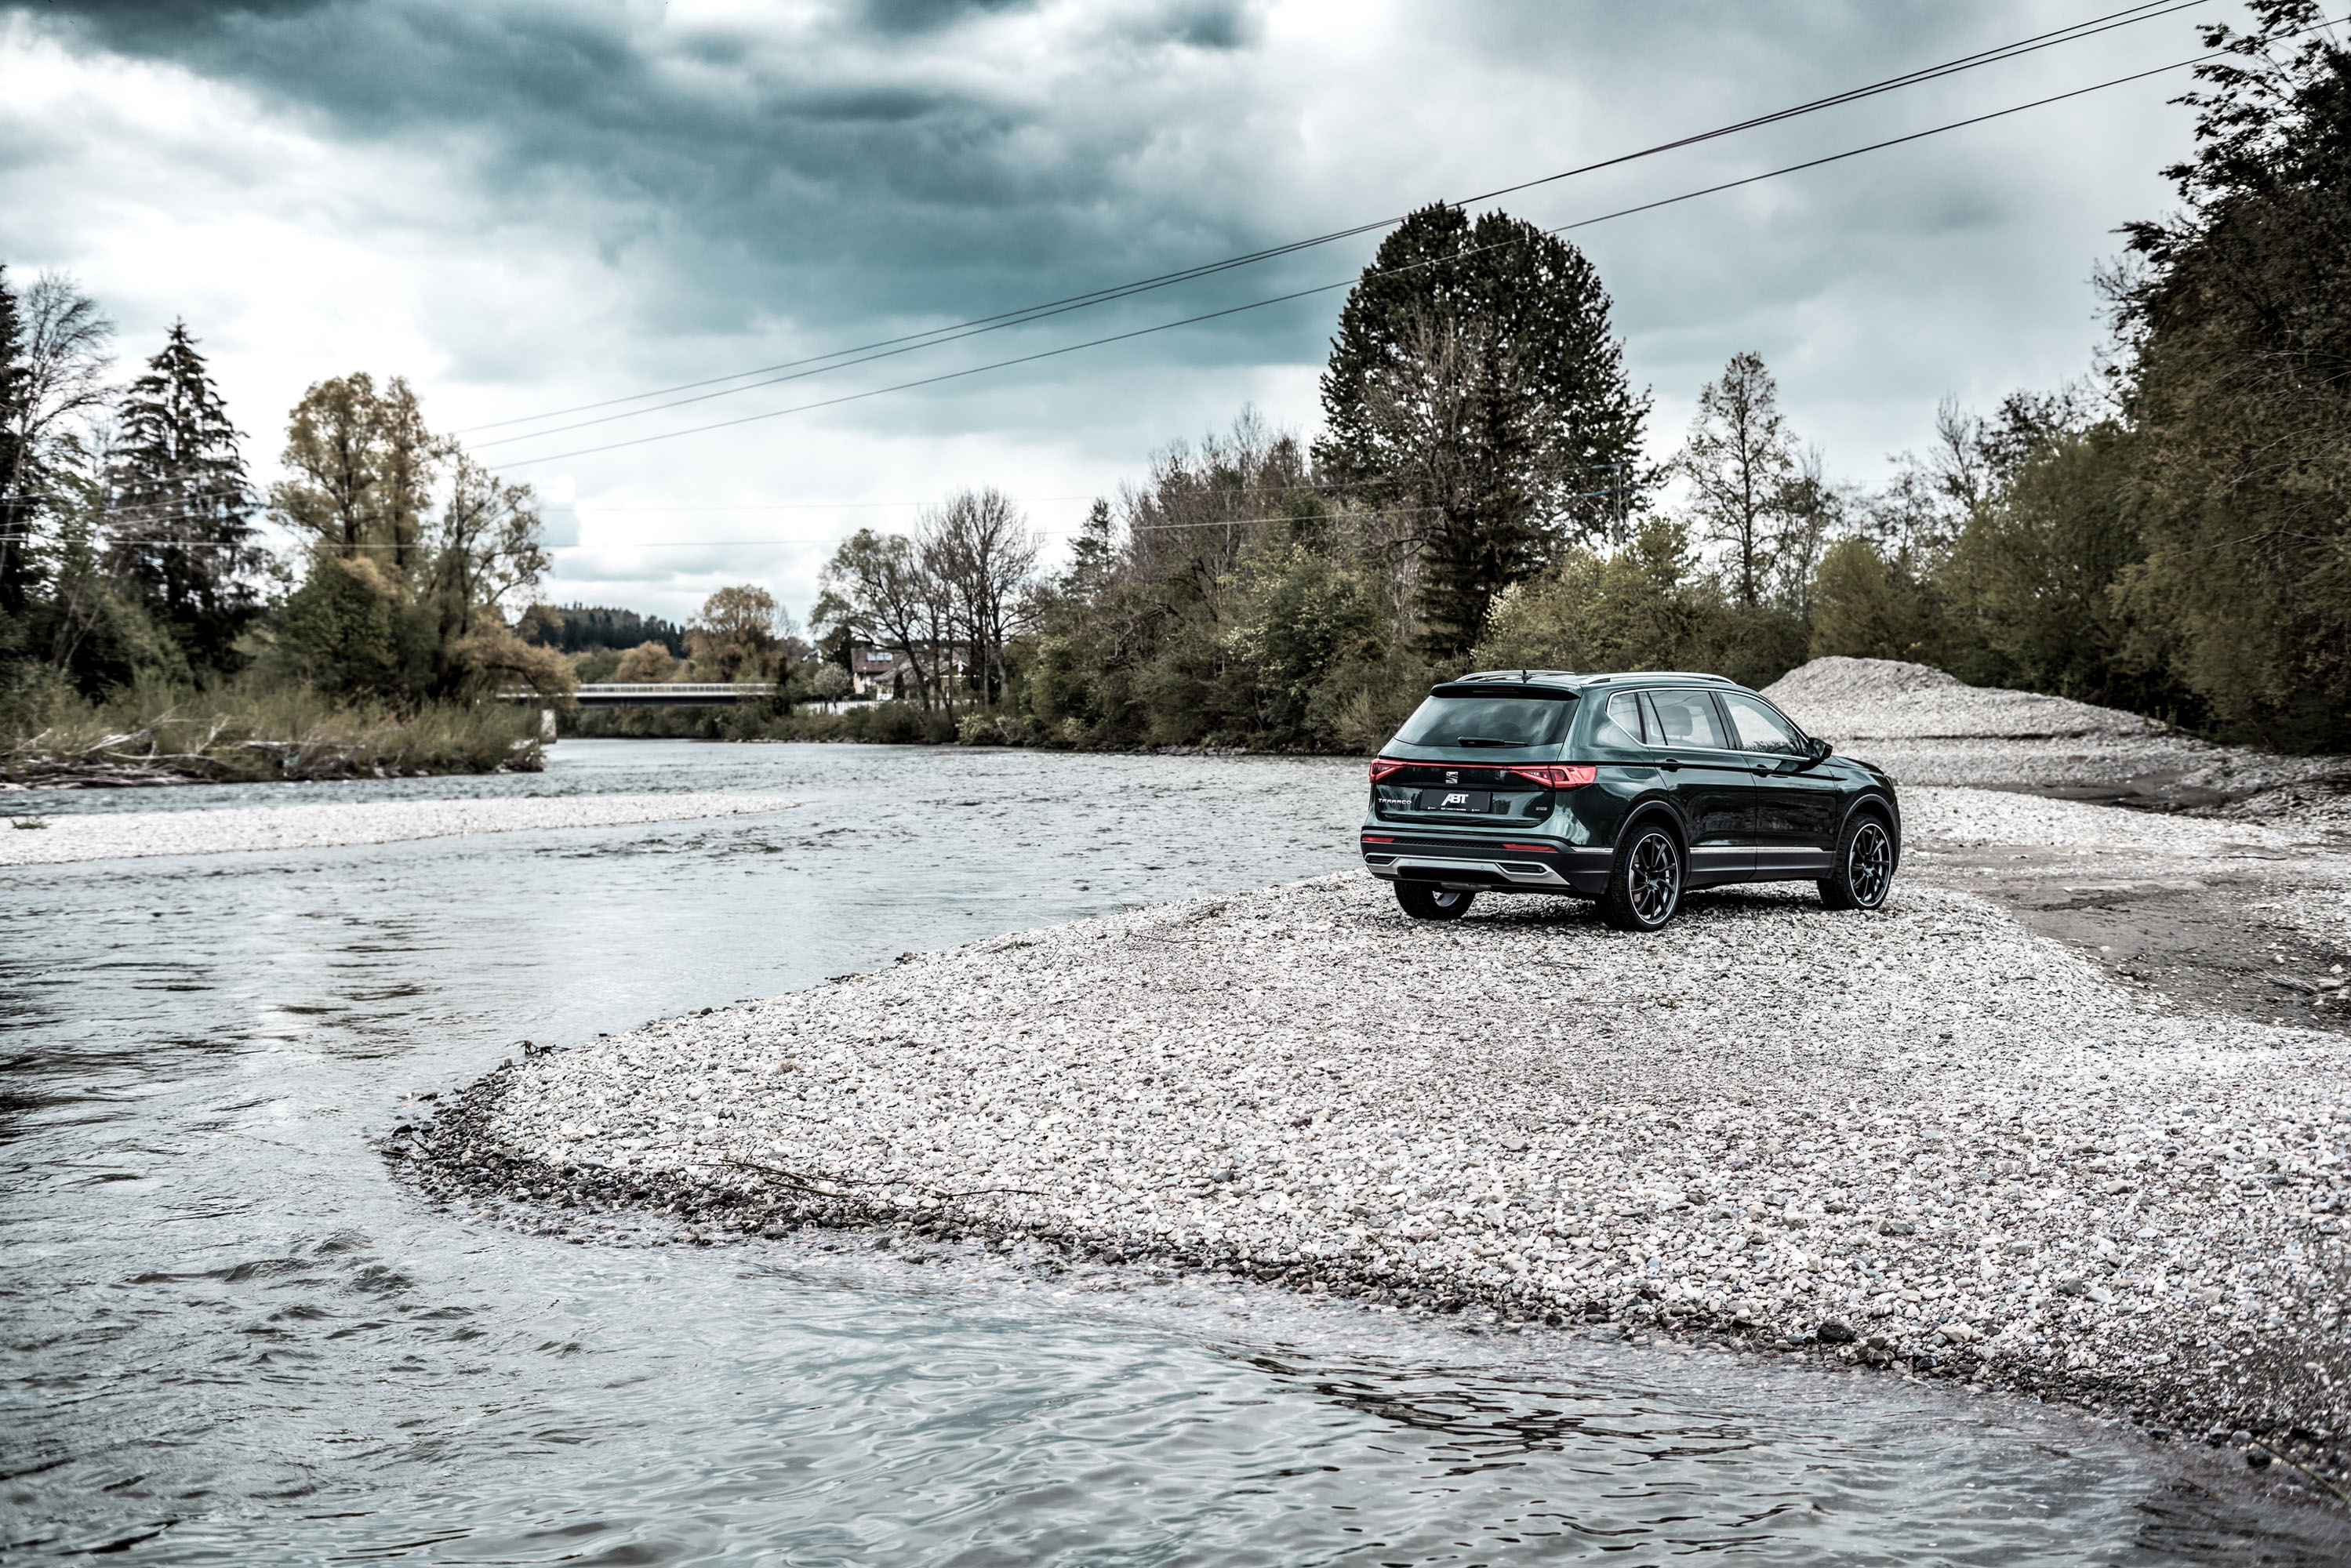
[
  {"x": 17, "y": 507},
  {"x": 1474, "y": 384},
  {"x": 182, "y": 508}
]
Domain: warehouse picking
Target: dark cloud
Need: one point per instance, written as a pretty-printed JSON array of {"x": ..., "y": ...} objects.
[
  {"x": 877, "y": 179},
  {"x": 904, "y": 16},
  {"x": 707, "y": 188}
]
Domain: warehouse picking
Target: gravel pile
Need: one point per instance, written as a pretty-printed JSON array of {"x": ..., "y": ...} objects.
[
  {"x": 1918, "y": 1138},
  {"x": 1883, "y": 699},
  {"x": 1926, "y": 726},
  {"x": 113, "y": 835}
]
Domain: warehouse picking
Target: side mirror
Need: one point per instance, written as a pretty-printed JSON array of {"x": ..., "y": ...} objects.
[{"x": 1821, "y": 749}]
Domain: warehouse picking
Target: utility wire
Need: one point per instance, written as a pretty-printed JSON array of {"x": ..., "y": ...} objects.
[
  {"x": 1347, "y": 282},
  {"x": 112, "y": 511},
  {"x": 890, "y": 348},
  {"x": 1690, "y": 195}
]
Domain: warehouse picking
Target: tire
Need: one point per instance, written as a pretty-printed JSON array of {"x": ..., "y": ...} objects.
[
  {"x": 1864, "y": 865},
  {"x": 1645, "y": 886},
  {"x": 1423, "y": 902}
]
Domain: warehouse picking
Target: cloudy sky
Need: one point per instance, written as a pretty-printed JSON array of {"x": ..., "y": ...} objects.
[{"x": 526, "y": 206}]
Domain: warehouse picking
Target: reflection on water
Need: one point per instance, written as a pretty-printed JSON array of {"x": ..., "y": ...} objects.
[{"x": 233, "y": 1338}]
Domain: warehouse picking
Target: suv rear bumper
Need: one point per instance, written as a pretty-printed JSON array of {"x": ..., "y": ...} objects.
[{"x": 1481, "y": 865}]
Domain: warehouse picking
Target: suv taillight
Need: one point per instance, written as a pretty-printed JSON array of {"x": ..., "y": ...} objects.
[
  {"x": 1563, "y": 776},
  {"x": 1381, "y": 766}
]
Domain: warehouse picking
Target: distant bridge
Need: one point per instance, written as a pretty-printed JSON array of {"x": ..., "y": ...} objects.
[{"x": 658, "y": 694}]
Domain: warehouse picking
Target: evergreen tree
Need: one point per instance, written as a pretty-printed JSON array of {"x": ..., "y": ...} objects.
[
  {"x": 181, "y": 527},
  {"x": 1474, "y": 384},
  {"x": 18, "y": 506}
]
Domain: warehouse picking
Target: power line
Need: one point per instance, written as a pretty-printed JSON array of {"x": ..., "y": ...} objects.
[
  {"x": 891, "y": 347},
  {"x": 112, "y": 511},
  {"x": 1346, "y": 282}
]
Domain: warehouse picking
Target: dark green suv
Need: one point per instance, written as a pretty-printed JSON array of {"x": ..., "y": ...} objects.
[{"x": 1627, "y": 789}]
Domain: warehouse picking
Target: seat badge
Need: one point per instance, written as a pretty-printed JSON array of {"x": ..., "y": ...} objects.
[{"x": 1453, "y": 778}]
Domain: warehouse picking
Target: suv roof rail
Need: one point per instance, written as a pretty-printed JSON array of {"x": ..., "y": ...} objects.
[{"x": 1528, "y": 677}]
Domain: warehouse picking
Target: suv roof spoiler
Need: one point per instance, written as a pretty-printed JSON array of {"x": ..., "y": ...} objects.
[{"x": 1532, "y": 677}]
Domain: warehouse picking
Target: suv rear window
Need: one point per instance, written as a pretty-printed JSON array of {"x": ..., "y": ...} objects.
[{"x": 1487, "y": 721}]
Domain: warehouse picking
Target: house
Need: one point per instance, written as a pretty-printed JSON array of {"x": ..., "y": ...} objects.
[{"x": 886, "y": 671}]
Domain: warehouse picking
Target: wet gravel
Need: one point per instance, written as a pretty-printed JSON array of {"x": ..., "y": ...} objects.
[{"x": 1922, "y": 1139}]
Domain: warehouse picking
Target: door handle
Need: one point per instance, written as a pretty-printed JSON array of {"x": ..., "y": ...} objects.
[
  {"x": 1670, "y": 766},
  {"x": 1760, "y": 768}
]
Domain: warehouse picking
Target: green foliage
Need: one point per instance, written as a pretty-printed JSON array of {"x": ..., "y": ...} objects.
[
  {"x": 589, "y": 628},
  {"x": 2032, "y": 583},
  {"x": 1649, "y": 606},
  {"x": 346, "y": 632},
  {"x": 2239, "y": 392},
  {"x": 1304, "y": 620},
  {"x": 738, "y": 636},
  {"x": 1475, "y": 385},
  {"x": 1866, "y": 605},
  {"x": 185, "y": 543}
]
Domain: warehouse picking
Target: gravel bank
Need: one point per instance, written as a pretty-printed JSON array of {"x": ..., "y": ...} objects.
[
  {"x": 116, "y": 835},
  {"x": 1925, "y": 727},
  {"x": 1888, "y": 699},
  {"x": 1922, "y": 1139}
]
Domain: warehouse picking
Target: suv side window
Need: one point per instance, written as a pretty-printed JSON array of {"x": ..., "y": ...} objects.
[
  {"x": 1620, "y": 722},
  {"x": 1761, "y": 729},
  {"x": 1686, "y": 718}
]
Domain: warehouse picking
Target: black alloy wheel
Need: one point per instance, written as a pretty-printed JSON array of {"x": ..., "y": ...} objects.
[
  {"x": 1644, "y": 888},
  {"x": 1865, "y": 866},
  {"x": 1423, "y": 902}
]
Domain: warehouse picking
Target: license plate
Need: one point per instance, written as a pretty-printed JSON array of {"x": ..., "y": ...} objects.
[{"x": 1457, "y": 800}]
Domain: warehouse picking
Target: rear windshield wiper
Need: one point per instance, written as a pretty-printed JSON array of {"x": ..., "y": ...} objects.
[{"x": 1487, "y": 740}]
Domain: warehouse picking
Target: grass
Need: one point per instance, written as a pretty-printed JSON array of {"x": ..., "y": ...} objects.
[{"x": 234, "y": 733}]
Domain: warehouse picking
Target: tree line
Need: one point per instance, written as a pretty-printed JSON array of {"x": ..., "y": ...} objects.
[
  {"x": 2169, "y": 534},
  {"x": 129, "y": 549}
]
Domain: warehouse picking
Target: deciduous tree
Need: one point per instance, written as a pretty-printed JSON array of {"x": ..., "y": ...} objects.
[
  {"x": 1740, "y": 460},
  {"x": 2237, "y": 324},
  {"x": 978, "y": 548},
  {"x": 738, "y": 633}
]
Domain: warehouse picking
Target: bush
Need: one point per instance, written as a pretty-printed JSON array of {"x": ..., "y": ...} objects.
[
  {"x": 1868, "y": 607},
  {"x": 248, "y": 732},
  {"x": 992, "y": 730}
]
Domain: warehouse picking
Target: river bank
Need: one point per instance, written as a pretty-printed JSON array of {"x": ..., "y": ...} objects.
[
  {"x": 1926, "y": 1140},
  {"x": 63, "y": 838},
  {"x": 246, "y": 733}
]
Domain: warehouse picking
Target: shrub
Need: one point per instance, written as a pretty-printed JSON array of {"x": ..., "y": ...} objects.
[{"x": 249, "y": 732}]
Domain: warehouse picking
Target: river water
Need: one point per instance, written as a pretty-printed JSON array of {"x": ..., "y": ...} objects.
[{"x": 233, "y": 1336}]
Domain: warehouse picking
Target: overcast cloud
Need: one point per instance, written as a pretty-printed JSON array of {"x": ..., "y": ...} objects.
[{"x": 525, "y": 207}]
